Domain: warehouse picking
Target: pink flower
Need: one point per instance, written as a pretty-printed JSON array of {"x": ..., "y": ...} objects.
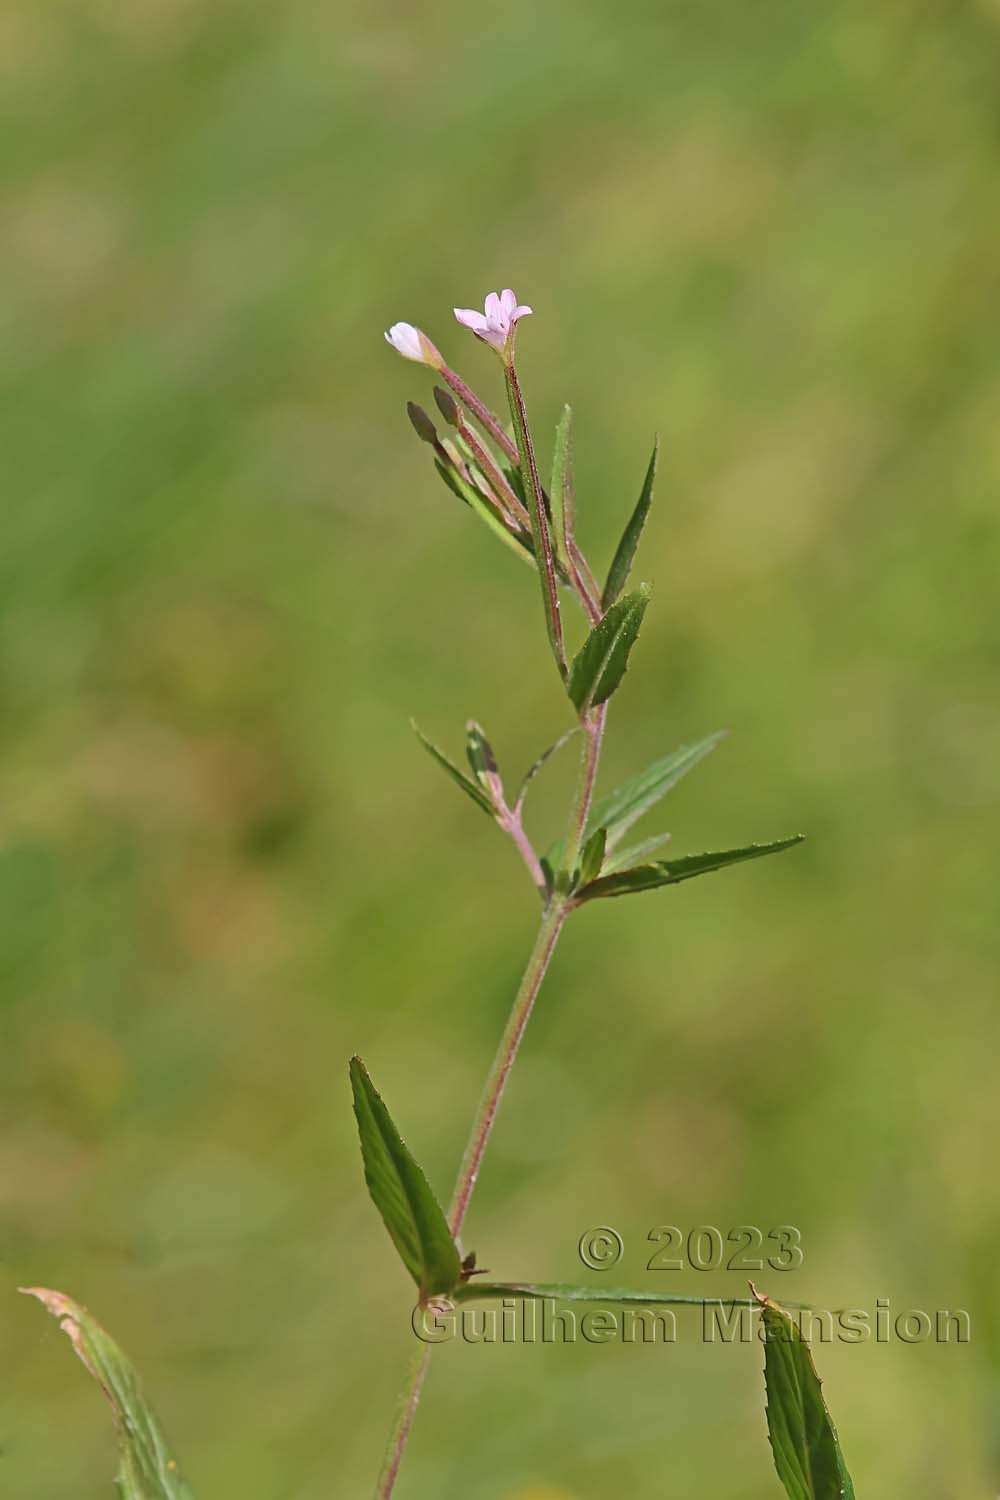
[
  {"x": 412, "y": 344},
  {"x": 495, "y": 325}
]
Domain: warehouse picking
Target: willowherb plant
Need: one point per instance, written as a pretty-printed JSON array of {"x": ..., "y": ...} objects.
[{"x": 494, "y": 471}]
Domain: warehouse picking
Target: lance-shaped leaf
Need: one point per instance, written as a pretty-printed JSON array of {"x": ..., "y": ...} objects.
[
  {"x": 621, "y": 564},
  {"x": 559, "y": 1291},
  {"x": 672, "y": 871},
  {"x": 402, "y": 1194},
  {"x": 627, "y": 804},
  {"x": 803, "y": 1438},
  {"x": 635, "y": 854},
  {"x": 471, "y": 788},
  {"x": 561, "y": 491},
  {"x": 147, "y": 1466},
  {"x": 600, "y": 663}
]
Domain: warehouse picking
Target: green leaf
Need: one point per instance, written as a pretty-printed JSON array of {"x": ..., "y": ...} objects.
[
  {"x": 557, "y": 1291},
  {"x": 521, "y": 544},
  {"x": 561, "y": 493},
  {"x": 402, "y": 1194},
  {"x": 147, "y": 1469},
  {"x": 470, "y": 788},
  {"x": 621, "y": 564},
  {"x": 803, "y": 1438},
  {"x": 593, "y": 856},
  {"x": 479, "y": 753},
  {"x": 634, "y": 854},
  {"x": 672, "y": 871},
  {"x": 627, "y": 804},
  {"x": 600, "y": 663}
]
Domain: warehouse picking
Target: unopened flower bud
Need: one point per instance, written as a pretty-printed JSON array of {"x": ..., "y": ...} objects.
[
  {"x": 422, "y": 424},
  {"x": 411, "y": 343},
  {"x": 447, "y": 406}
]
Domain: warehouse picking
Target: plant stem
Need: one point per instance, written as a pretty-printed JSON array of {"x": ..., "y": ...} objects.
[
  {"x": 553, "y": 921},
  {"x": 409, "y": 1396},
  {"x": 544, "y": 558},
  {"x": 524, "y": 1001}
]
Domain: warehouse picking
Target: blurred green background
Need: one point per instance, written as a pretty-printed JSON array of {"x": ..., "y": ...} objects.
[{"x": 229, "y": 577}]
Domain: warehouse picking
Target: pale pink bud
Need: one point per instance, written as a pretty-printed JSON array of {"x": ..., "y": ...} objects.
[{"x": 411, "y": 343}]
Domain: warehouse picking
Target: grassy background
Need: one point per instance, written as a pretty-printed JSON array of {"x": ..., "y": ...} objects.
[{"x": 228, "y": 579}]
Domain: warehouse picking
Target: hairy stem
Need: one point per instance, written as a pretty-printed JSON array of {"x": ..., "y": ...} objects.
[
  {"x": 552, "y": 924},
  {"x": 524, "y": 1002},
  {"x": 409, "y": 1396}
]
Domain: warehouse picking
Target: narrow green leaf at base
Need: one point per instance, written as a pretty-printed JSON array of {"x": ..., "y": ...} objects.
[
  {"x": 402, "y": 1194},
  {"x": 600, "y": 663},
  {"x": 804, "y": 1441},
  {"x": 673, "y": 871},
  {"x": 148, "y": 1469},
  {"x": 621, "y": 565}
]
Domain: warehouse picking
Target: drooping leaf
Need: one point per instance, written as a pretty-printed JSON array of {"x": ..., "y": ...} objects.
[
  {"x": 600, "y": 663},
  {"x": 592, "y": 856},
  {"x": 635, "y": 854},
  {"x": 519, "y": 543},
  {"x": 621, "y": 564},
  {"x": 561, "y": 490},
  {"x": 471, "y": 788},
  {"x": 402, "y": 1194},
  {"x": 672, "y": 871},
  {"x": 627, "y": 804},
  {"x": 804, "y": 1441},
  {"x": 479, "y": 753},
  {"x": 147, "y": 1466}
]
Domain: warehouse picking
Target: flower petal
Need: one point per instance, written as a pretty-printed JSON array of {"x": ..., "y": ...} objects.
[
  {"x": 471, "y": 319},
  {"x": 508, "y": 302},
  {"x": 520, "y": 312},
  {"x": 493, "y": 308}
]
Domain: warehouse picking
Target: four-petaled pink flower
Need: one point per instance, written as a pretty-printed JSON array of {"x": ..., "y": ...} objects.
[
  {"x": 411, "y": 343},
  {"x": 495, "y": 325}
]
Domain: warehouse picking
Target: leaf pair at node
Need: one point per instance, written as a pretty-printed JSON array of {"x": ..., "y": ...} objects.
[{"x": 606, "y": 869}]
